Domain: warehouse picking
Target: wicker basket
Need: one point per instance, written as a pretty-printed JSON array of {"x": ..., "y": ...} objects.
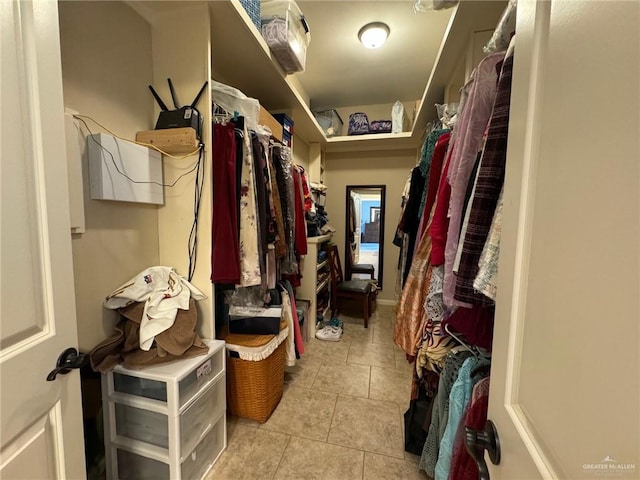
[{"x": 254, "y": 388}]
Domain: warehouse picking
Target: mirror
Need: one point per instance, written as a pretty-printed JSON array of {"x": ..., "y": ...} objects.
[{"x": 364, "y": 239}]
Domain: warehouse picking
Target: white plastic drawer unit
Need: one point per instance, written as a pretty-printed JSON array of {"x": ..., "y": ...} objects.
[
  {"x": 153, "y": 427},
  {"x": 132, "y": 464},
  {"x": 166, "y": 421},
  {"x": 182, "y": 379}
]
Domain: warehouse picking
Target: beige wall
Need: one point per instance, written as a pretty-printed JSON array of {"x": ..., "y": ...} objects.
[
  {"x": 370, "y": 168},
  {"x": 106, "y": 66},
  {"x": 301, "y": 153}
]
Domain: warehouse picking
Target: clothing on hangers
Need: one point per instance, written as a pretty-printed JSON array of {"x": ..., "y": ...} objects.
[
  {"x": 471, "y": 126},
  {"x": 463, "y": 466},
  {"x": 487, "y": 191},
  {"x": 225, "y": 253},
  {"x": 459, "y": 396},
  {"x": 250, "y": 273},
  {"x": 440, "y": 413}
]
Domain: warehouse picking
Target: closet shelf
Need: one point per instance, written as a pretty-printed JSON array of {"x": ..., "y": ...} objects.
[
  {"x": 322, "y": 265},
  {"x": 322, "y": 285},
  {"x": 259, "y": 75},
  {"x": 467, "y": 18},
  {"x": 241, "y": 58},
  {"x": 377, "y": 141},
  {"x": 319, "y": 239}
]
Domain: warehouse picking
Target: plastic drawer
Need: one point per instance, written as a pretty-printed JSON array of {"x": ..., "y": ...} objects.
[
  {"x": 198, "y": 462},
  {"x": 142, "y": 425},
  {"x": 199, "y": 416},
  {"x": 153, "y": 428},
  {"x": 132, "y": 466},
  {"x": 140, "y": 387},
  {"x": 187, "y": 387},
  {"x": 194, "y": 465},
  {"x": 197, "y": 378}
]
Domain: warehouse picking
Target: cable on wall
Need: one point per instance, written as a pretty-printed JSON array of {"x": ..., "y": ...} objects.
[
  {"x": 149, "y": 145},
  {"x": 192, "y": 244},
  {"x": 115, "y": 164},
  {"x": 198, "y": 167}
]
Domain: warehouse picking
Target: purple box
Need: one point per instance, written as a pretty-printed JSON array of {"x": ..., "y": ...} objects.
[{"x": 380, "y": 126}]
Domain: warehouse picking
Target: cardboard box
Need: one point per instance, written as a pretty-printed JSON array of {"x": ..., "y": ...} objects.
[{"x": 267, "y": 120}]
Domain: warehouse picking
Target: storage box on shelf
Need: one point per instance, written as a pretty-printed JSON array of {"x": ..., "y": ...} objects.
[
  {"x": 287, "y": 128},
  {"x": 267, "y": 120},
  {"x": 286, "y": 32},
  {"x": 380, "y": 126},
  {"x": 252, "y": 7},
  {"x": 166, "y": 421},
  {"x": 330, "y": 121}
]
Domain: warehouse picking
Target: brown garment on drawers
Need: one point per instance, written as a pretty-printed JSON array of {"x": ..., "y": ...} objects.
[{"x": 178, "y": 341}]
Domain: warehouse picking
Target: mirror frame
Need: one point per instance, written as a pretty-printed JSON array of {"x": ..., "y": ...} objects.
[{"x": 348, "y": 190}]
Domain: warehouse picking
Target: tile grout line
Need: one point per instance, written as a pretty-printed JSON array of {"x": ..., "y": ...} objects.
[
  {"x": 359, "y": 449},
  {"x": 335, "y": 407},
  {"x": 316, "y": 375},
  {"x": 281, "y": 457}
]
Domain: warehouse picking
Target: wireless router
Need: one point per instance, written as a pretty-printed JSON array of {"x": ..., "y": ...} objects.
[{"x": 187, "y": 116}]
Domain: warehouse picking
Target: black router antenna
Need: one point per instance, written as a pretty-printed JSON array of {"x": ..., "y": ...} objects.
[
  {"x": 173, "y": 94},
  {"x": 195, "y": 100},
  {"x": 158, "y": 99}
]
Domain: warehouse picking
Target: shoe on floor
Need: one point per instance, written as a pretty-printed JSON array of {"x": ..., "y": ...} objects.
[
  {"x": 331, "y": 334},
  {"x": 336, "y": 322}
]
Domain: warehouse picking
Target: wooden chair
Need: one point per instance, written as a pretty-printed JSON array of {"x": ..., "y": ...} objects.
[
  {"x": 361, "y": 268},
  {"x": 362, "y": 290}
]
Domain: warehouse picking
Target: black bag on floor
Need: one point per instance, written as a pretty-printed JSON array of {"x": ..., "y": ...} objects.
[{"x": 418, "y": 415}]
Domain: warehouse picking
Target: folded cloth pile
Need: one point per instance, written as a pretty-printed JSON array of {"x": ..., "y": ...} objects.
[
  {"x": 163, "y": 292},
  {"x": 180, "y": 340}
]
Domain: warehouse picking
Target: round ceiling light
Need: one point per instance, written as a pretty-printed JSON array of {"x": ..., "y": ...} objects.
[{"x": 373, "y": 35}]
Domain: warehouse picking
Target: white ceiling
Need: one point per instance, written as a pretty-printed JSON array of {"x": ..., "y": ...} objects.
[{"x": 341, "y": 72}]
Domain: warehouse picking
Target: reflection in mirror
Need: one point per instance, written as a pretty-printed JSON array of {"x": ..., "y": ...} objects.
[{"x": 364, "y": 239}]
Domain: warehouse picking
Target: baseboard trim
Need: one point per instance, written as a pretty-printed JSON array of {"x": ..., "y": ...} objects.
[{"x": 391, "y": 303}]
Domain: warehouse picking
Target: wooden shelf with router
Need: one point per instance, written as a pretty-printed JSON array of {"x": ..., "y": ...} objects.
[
  {"x": 179, "y": 141},
  {"x": 176, "y": 141},
  {"x": 177, "y": 130}
]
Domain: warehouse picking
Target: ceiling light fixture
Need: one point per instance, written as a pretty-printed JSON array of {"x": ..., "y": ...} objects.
[{"x": 374, "y": 34}]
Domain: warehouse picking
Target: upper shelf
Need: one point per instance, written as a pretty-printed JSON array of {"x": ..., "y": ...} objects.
[
  {"x": 241, "y": 58},
  {"x": 244, "y": 61}
]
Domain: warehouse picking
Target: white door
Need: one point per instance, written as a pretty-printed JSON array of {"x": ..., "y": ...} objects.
[
  {"x": 357, "y": 203},
  {"x": 41, "y": 421},
  {"x": 565, "y": 382}
]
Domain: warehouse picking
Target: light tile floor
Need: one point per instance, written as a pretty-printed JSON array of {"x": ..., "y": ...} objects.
[{"x": 340, "y": 417}]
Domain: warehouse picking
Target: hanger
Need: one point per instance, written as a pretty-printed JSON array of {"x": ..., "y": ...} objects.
[
  {"x": 222, "y": 116},
  {"x": 477, "y": 352},
  {"x": 462, "y": 343}
]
